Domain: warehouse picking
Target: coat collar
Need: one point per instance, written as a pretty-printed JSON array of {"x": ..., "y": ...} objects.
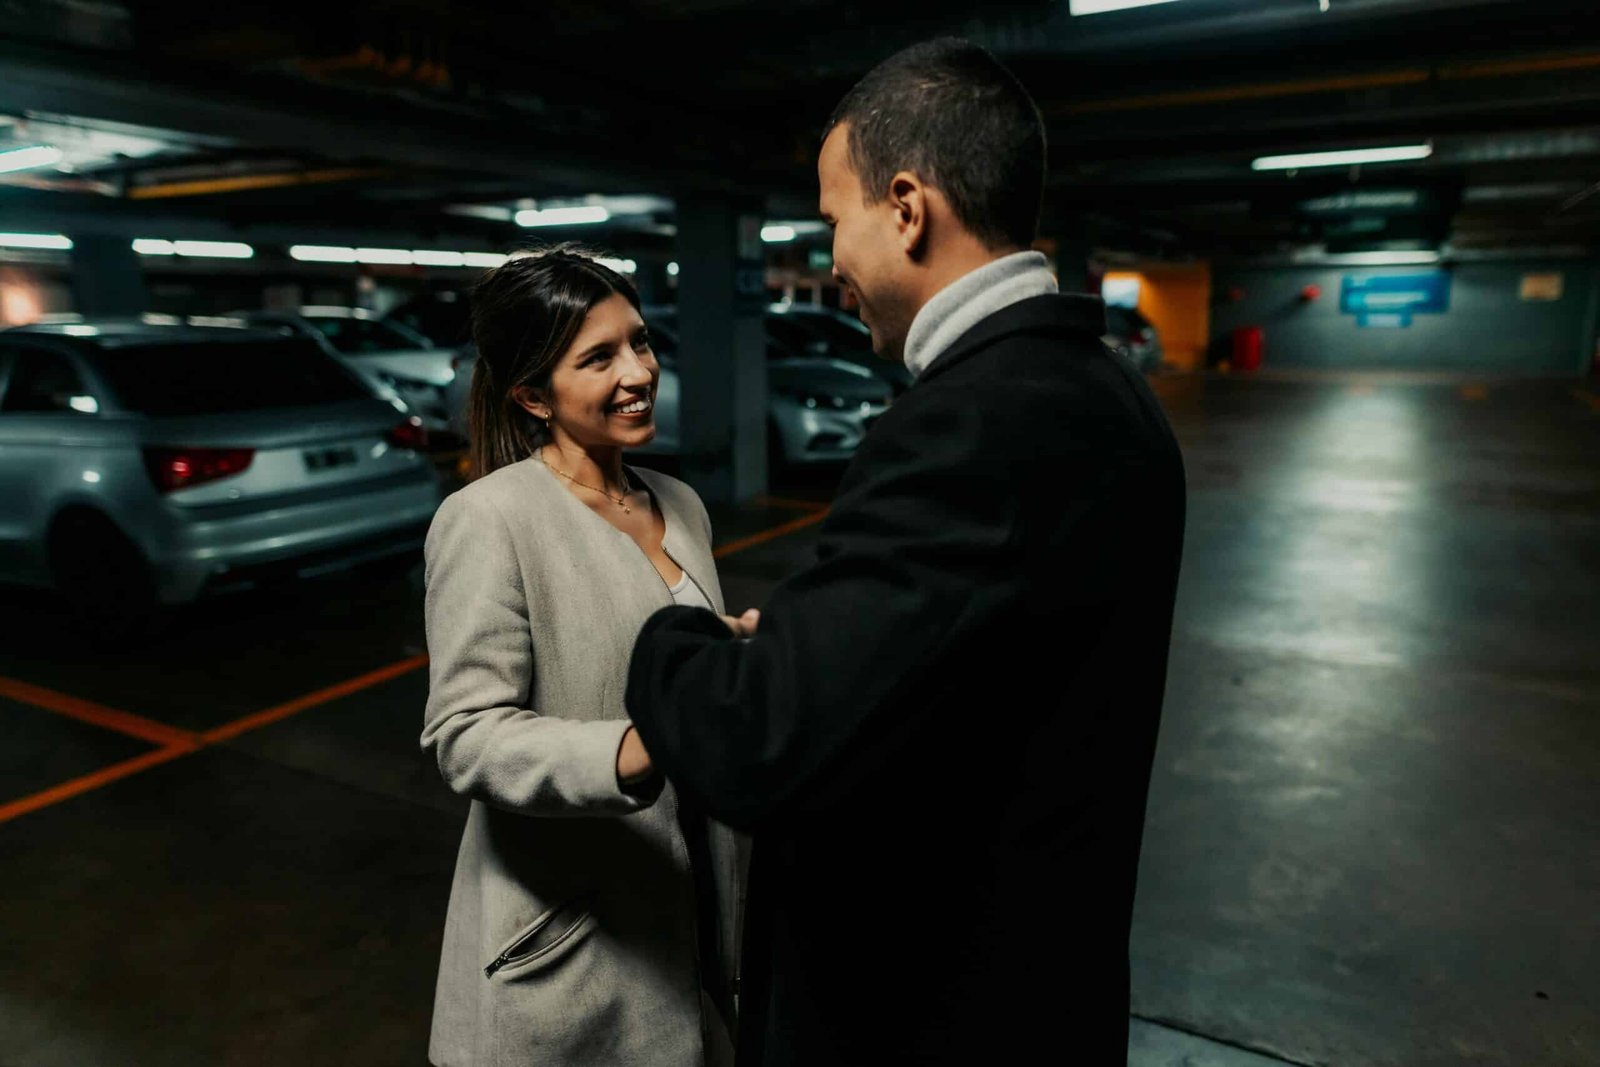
[{"x": 1053, "y": 313}]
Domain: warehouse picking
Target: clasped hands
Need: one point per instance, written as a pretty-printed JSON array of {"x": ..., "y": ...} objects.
[{"x": 633, "y": 760}]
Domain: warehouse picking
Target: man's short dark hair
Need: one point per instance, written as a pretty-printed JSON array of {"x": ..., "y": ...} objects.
[{"x": 947, "y": 111}]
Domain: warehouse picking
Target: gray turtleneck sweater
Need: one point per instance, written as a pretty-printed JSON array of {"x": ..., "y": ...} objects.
[{"x": 970, "y": 299}]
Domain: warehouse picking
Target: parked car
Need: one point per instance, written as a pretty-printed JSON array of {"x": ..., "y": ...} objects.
[
  {"x": 814, "y": 330},
  {"x": 143, "y": 466},
  {"x": 1131, "y": 335},
  {"x": 390, "y": 353},
  {"x": 818, "y": 408},
  {"x": 444, "y": 317}
]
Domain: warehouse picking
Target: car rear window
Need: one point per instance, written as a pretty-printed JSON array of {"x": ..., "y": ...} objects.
[{"x": 166, "y": 380}]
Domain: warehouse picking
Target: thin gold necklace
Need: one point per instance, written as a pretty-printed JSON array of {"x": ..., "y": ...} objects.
[{"x": 620, "y": 501}]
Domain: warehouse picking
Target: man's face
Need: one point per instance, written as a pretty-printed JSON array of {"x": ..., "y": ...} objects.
[{"x": 869, "y": 257}]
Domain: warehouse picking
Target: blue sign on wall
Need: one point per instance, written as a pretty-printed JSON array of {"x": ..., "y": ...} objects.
[
  {"x": 1383, "y": 320},
  {"x": 1422, "y": 293}
]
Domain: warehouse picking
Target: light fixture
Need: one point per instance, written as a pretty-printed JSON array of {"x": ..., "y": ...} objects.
[
  {"x": 88, "y": 405},
  {"x": 424, "y": 257},
  {"x": 580, "y": 215},
  {"x": 1418, "y": 258},
  {"x": 1346, "y": 158},
  {"x": 322, "y": 254},
  {"x": 777, "y": 234},
  {"x": 53, "y": 242},
  {"x": 153, "y": 246},
  {"x": 394, "y": 256},
  {"x": 214, "y": 249},
  {"x": 483, "y": 259},
  {"x": 672, "y": 270},
  {"x": 1096, "y": 7},
  {"x": 28, "y": 158},
  {"x": 621, "y": 266}
]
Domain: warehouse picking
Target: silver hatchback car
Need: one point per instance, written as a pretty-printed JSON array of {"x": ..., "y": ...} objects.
[{"x": 143, "y": 466}]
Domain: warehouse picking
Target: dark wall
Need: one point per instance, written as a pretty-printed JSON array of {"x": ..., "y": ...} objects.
[{"x": 1488, "y": 326}]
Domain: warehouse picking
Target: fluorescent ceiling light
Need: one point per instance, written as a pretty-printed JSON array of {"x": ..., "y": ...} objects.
[
  {"x": 397, "y": 256},
  {"x": 424, "y": 257},
  {"x": 483, "y": 259},
  {"x": 50, "y": 241},
  {"x": 76, "y": 330},
  {"x": 322, "y": 254},
  {"x": 155, "y": 246},
  {"x": 777, "y": 234},
  {"x": 1386, "y": 259},
  {"x": 583, "y": 214},
  {"x": 214, "y": 249},
  {"x": 86, "y": 404},
  {"x": 672, "y": 269},
  {"x": 1095, "y": 7},
  {"x": 28, "y": 158},
  {"x": 1347, "y": 158},
  {"x": 621, "y": 266}
]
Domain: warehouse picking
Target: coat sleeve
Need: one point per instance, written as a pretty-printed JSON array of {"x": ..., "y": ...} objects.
[
  {"x": 918, "y": 551},
  {"x": 491, "y": 745}
]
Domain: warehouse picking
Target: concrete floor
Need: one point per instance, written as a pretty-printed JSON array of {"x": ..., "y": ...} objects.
[{"x": 1373, "y": 834}]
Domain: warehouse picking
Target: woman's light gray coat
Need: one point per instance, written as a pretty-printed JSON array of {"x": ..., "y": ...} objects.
[{"x": 571, "y": 934}]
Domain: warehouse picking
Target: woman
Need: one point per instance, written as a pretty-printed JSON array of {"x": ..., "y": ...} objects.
[{"x": 574, "y": 933}]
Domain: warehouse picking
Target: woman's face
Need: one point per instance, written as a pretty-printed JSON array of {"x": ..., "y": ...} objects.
[{"x": 603, "y": 389}]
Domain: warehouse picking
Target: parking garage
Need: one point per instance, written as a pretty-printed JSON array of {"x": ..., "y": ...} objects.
[{"x": 1350, "y": 244}]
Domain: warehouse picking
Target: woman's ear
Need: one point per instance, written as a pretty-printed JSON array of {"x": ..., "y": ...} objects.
[{"x": 532, "y": 401}]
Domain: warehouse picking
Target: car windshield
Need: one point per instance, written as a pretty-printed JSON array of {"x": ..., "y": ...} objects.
[
  {"x": 200, "y": 378},
  {"x": 1124, "y": 322},
  {"x": 353, "y": 336},
  {"x": 841, "y": 336},
  {"x": 445, "y": 318}
]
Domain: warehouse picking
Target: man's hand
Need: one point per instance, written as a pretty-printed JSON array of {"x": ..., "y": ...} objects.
[{"x": 745, "y": 625}]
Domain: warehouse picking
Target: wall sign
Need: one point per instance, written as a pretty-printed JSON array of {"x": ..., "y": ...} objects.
[
  {"x": 1383, "y": 320},
  {"x": 1543, "y": 286},
  {"x": 1423, "y": 293}
]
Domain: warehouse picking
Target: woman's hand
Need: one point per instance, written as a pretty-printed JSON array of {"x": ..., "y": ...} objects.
[
  {"x": 633, "y": 761},
  {"x": 745, "y": 625}
]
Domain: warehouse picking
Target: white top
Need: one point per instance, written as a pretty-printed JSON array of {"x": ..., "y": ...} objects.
[
  {"x": 688, "y": 595},
  {"x": 970, "y": 299}
]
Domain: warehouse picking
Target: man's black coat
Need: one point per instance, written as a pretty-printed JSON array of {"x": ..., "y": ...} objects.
[{"x": 941, "y": 736}]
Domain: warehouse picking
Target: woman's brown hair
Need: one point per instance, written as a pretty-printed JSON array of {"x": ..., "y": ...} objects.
[{"x": 525, "y": 314}]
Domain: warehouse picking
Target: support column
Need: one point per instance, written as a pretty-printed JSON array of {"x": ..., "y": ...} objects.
[
  {"x": 106, "y": 276},
  {"x": 722, "y": 347}
]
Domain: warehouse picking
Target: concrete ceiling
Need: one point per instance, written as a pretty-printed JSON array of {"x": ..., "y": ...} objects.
[{"x": 382, "y": 114}]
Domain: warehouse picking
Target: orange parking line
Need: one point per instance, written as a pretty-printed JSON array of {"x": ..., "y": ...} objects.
[
  {"x": 769, "y": 535},
  {"x": 104, "y": 776},
  {"x": 311, "y": 700},
  {"x": 176, "y": 743},
  {"x": 181, "y": 742},
  {"x": 97, "y": 714}
]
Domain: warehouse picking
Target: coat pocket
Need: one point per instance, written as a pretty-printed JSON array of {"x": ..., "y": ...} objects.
[{"x": 542, "y": 936}]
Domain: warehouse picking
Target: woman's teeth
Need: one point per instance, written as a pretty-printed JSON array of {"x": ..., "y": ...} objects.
[{"x": 638, "y": 407}]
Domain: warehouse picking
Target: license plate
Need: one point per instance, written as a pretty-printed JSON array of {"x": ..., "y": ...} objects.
[{"x": 321, "y": 459}]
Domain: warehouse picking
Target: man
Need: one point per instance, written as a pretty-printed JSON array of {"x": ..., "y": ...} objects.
[{"x": 941, "y": 734}]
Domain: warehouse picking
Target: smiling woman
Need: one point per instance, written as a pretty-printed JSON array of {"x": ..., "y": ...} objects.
[{"x": 595, "y": 940}]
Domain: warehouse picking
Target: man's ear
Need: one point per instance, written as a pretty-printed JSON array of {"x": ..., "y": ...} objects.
[
  {"x": 532, "y": 401},
  {"x": 909, "y": 199}
]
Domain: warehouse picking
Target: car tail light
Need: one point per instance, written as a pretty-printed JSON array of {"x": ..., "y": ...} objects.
[
  {"x": 410, "y": 434},
  {"x": 180, "y": 468}
]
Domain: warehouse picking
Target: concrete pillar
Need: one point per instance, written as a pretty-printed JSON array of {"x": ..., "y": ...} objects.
[
  {"x": 106, "y": 276},
  {"x": 722, "y": 347}
]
